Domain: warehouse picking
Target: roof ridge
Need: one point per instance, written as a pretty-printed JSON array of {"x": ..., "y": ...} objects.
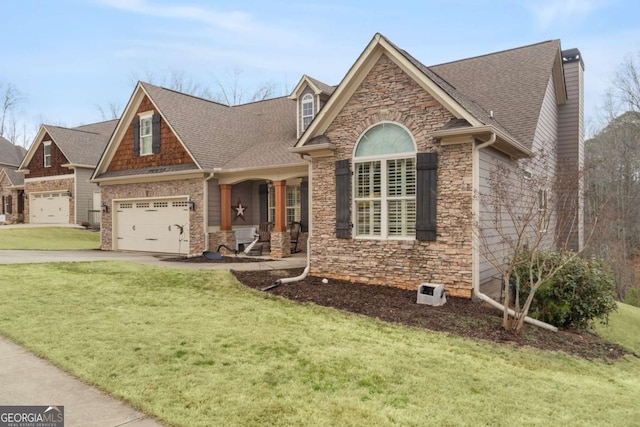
[
  {"x": 259, "y": 100},
  {"x": 95, "y": 123},
  {"x": 495, "y": 53},
  {"x": 72, "y": 129},
  {"x": 185, "y": 94}
]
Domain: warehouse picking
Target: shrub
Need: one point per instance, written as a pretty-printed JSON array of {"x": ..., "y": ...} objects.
[{"x": 582, "y": 291}]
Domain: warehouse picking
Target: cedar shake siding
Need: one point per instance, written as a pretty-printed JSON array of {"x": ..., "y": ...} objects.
[
  {"x": 171, "y": 151},
  {"x": 36, "y": 164},
  {"x": 388, "y": 94}
]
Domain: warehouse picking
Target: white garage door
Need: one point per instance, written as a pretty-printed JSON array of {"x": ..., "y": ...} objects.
[
  {"x": 49, "y": 208},
  {"x": 158, "y": 225}
]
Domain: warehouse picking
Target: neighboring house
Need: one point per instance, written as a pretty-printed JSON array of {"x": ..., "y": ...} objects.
[
  {"x": 181, "y": 173},
  {"x": 400, "y": 149},
  {"x": 11, "y": 183},
  {"x": 56, "y": 172},
  {"x": 11, "y": 196}
]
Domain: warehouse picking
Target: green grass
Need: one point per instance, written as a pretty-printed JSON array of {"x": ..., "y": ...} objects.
[
  {"x": 194, "y": 348},
  {"x": 48, "y": 238},
  {"x": 623, "y": 327}
]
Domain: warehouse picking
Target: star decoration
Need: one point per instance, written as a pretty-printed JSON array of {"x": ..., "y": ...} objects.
[{"x": 239, "y": 210}]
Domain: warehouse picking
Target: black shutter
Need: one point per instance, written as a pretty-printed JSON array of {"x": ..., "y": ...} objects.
[
  {"x": 2, "y": 205},
  {"x": 155, "y": 134},
  {"x": 9, "y": 205},
  {"x": 304, "y": 206},
  {"x": 136, "y": 136},
  {"x": 426, "y": 195},
  {"x": 343, "y": 199},
  {"x": 263, "y": 197}
]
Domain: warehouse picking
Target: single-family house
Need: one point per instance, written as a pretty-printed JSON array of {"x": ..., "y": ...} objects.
[
  {"x": 382, "y": 170},
  {"x": 11, "y": 183},
  {"x": 56, "y": 170}
]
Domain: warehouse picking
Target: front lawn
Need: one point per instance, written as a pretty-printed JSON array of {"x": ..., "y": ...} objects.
[
  {"x": 48, "y": 238},
  {"x": 195, "y": 348},
  {"x": 623, "y": 327}
]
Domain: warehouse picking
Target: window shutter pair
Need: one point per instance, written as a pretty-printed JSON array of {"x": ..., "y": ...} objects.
[
  {"x": 155, "y": 135},
  {"x": 426, "y": 197}
]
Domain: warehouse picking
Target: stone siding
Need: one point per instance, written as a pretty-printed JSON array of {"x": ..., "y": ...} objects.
[
  {"x": 387, "y": 93},
  {"x": 14, "y": 216},
  {"x": 65, "y": 184},
  {"x": 194, "y": 188},
  {"x": 280, "y": 244}
]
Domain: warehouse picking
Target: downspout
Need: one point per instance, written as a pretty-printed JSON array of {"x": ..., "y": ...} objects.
[
  {"x": 306, "y": 270},
  {"x": 205, "y": 219},
  {"x": 476, "y": 256}
]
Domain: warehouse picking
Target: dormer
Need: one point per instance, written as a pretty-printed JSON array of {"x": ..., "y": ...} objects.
[{"x": 310, "y": 96}]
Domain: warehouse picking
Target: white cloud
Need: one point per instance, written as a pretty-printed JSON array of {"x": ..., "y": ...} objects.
[
  {"x": 234, "y": 21},
  {"x": 549, "y": 12}
]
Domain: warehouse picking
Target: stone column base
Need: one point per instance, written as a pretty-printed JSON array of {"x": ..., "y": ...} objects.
[
  {"x": 280, "y": 244},
  {"x": 218, "y": 238}
]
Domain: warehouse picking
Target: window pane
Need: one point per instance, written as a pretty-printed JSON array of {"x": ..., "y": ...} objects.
[
  {"x": 145, "y": 126},
  {"x": 385, "y": 138},
  {"x": 402, "y": 218},
  {"x": 145, "y": 145}
]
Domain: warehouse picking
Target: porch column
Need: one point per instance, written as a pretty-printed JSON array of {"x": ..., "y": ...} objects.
[
  {"x": 280, "y": 239},
  {"x": 225, "y": 236},
  {"x": 225, "y": 207}
]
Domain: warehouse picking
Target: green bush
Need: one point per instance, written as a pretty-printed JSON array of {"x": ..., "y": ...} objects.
[
  {"x": 633, "y": 297},
  {"x": 582, "y": 291}
]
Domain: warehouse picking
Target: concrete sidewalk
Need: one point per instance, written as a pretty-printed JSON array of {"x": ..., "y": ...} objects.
[{"x": 29, "y": 380}]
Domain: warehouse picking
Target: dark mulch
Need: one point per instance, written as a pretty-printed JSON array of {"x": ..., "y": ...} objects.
[
  {"x": 458, "y": 316},
  {"x": 225, "y": 259}
]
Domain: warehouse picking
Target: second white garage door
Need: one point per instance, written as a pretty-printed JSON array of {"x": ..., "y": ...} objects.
[
  {"x": 49, "y": 208},
  {"x": 158, "y": 225}
]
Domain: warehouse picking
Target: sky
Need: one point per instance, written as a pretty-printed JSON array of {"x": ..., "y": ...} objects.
[{"x": 72, "y": 58}]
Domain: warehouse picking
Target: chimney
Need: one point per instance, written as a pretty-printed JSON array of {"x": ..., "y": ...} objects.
[{"x": 571, "y": 149}]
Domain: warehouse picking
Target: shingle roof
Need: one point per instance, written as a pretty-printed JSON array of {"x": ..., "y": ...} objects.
[
  {"x": 328, "y": 89},
  {"x": 151, "y": 170},
  {"x": 219, "y": 136},
  {"x": 10, "y": 154},
  {"x": 82, "y": 145},
  {"x": 511, "y": 83},
  {"x": 14, "y": 177}
]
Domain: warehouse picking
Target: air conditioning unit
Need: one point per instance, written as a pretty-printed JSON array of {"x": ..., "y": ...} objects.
[{"x": 431, "y": 294}]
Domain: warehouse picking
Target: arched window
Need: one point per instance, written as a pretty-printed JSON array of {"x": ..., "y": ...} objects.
[
  {"x": 307, "y": 110},
  {"x": 385, "y": 183}
]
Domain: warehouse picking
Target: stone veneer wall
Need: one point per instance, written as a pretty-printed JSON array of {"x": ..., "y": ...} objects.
[
  {"x": 65, "y": 184},
  {"x": 194, "y": 188},
  {"x": 14, "y": 217},
  {"x": 387, "y": 93}
]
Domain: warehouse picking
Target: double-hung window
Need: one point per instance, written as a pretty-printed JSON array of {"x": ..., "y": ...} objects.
[
  {"x": 292, "y": 204},
  {"x": 307, "y": 110},
  {"x": 385, "y": 183},
  {"x": 47, "y": 153},
  {"x": 146, "y": 134}
]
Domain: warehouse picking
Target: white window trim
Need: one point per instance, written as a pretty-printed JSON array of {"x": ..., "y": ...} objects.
[
  {"x": 543, "y": 209},
  {"x": 144, "y": 116},
  {"x": 271, "y": 207},
  {"x": 384, "y": 209},
  {"x": 307, "y": 99},
  {"x": 45, "y": 155}
]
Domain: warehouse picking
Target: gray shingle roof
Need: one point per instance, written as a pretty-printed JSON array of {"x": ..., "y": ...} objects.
[
  {"x": 151, "y": 170},
  {"x": 14, "y": 177},
  {"x": 325, "y": 88},
  {"x": 511, "y": 83},
  {"x": 10, "y": 154},
  {"x": 219, "y": 136},
  {"x": 82, "y": 145}
]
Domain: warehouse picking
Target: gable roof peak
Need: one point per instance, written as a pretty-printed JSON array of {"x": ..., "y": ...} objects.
[{"x": 146, "y": 85}]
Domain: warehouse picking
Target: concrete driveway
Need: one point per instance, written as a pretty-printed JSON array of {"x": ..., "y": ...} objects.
[{"x": 30, "y": 257}]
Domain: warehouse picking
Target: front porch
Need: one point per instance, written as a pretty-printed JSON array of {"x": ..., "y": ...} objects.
[{"x": 277, "y": 209}]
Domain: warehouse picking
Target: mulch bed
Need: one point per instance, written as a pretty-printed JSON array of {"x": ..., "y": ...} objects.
[{"x": 458, "y": 316}]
